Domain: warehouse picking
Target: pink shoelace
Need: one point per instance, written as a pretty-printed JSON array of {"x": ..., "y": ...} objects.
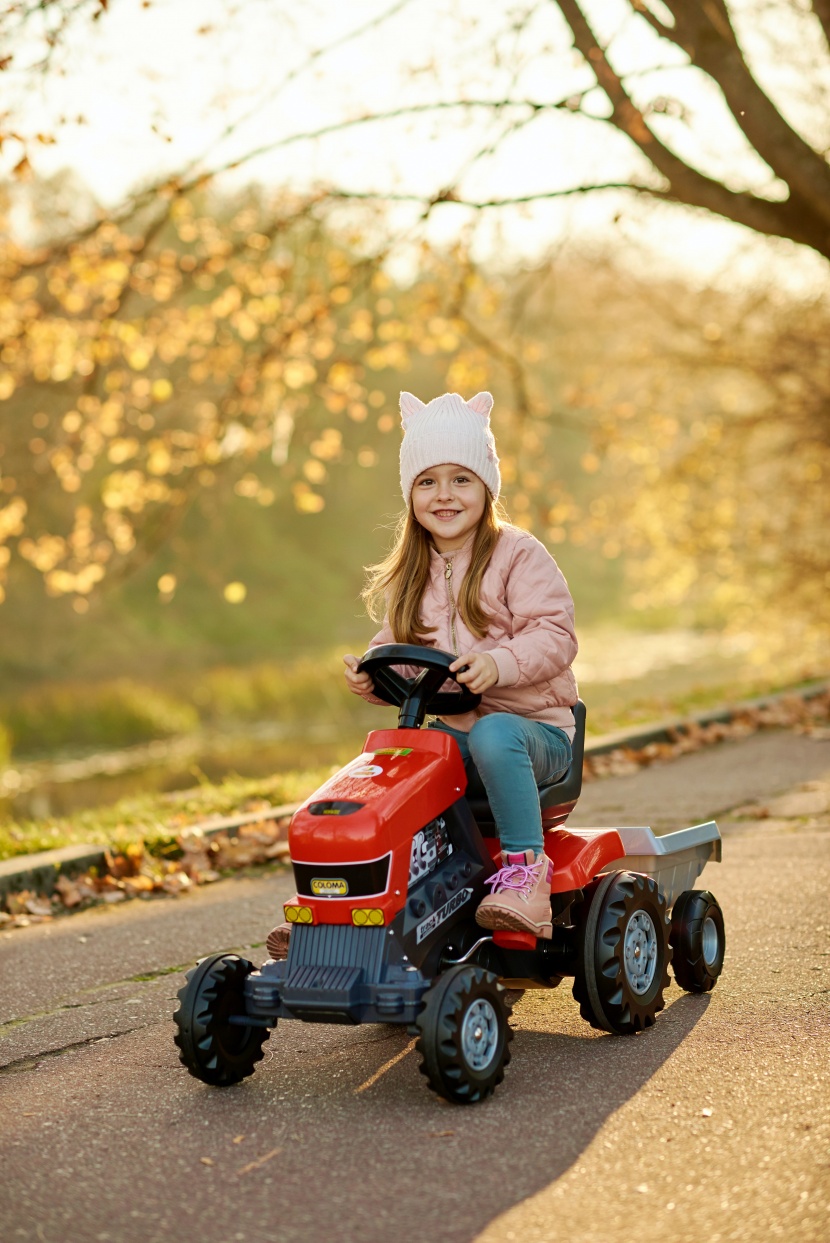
[{"x": 518, "y": 877}]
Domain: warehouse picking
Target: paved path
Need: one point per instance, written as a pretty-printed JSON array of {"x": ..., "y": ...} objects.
[{"x": 714, "y": 1125}]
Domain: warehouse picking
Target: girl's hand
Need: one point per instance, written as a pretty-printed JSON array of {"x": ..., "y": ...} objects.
[
  {"x": 483, "y": 672},
  {"x": 358, "y": 683}
]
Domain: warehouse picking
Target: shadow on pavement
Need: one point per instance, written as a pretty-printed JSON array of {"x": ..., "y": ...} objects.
[{"x": 396, "y": 1163}]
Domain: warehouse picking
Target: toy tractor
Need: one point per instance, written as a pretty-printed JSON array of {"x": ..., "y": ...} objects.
[{"x": 390, "y": 860}]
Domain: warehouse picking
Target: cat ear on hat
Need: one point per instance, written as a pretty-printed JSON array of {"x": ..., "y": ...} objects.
[
  {"x": 410, "y": 405},
  {"x": 481, "y": 404}
]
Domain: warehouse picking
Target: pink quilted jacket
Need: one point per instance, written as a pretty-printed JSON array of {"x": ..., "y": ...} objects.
[{"x": 531, "y": 637}]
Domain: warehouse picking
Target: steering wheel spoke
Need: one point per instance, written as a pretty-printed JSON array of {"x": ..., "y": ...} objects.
[
  {"x": 393, "y": 683},
  {"x": 418, "y": 695}
]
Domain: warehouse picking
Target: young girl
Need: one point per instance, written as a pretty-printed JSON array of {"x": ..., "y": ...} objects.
[{"x": 462, "y": 579}]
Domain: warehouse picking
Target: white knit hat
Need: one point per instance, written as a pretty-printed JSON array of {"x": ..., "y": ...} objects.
[{"x": 448, "y": 429}]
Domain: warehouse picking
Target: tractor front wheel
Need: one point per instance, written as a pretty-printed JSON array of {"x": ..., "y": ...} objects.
[
  {"x": 215, "y": 1043},
  {"x": 623, "y": 953},
  {"x": 464, "y": 1034}
]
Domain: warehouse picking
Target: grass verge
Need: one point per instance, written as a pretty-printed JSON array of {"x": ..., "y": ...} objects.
[{"x": 156, "y": 820}]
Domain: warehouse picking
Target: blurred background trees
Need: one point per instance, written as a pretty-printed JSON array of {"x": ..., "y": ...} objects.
[{"x": 198, "y": 383}]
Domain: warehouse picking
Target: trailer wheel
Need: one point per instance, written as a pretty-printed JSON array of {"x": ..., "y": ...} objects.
[
  {"x": 464, "y": 1034},
  {"x": 623, "y": 953},
  {"x": 698, "y": 940},
  {"x": 211, "y": 1046}
]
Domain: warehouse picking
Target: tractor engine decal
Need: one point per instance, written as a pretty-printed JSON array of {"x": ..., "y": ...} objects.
[
  {"x": 430, "y": 846},
  {"x": 437, "y": 917}
]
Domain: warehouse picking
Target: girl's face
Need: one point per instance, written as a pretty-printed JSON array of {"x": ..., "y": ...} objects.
[{"x": 449, "y": 502}]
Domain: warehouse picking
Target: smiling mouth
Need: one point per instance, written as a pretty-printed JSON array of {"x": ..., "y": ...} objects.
[{"x": 446, "y": 513}]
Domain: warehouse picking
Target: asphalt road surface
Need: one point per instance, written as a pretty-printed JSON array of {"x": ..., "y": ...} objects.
[{"x": 714, "y": 1125}]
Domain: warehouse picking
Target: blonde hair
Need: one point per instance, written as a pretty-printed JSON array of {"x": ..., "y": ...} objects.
[{"x": 396, "y": 585}]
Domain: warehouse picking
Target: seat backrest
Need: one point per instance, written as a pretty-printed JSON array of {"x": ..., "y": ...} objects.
[{"x": 568, "y": 788}]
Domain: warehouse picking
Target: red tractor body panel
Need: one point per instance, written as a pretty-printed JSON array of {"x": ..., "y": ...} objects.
[
  {"x": 577, "y": 855},
  {"x": 368, "y": 814}
]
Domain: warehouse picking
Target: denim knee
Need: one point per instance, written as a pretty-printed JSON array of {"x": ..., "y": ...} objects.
[{"x": 493, "y": 733}]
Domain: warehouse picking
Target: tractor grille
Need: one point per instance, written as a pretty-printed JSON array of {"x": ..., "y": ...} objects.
[{"x": 333, "y": 946}]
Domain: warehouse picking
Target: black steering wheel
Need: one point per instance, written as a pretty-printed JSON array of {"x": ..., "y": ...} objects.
[{"x": 419, "y": 695}]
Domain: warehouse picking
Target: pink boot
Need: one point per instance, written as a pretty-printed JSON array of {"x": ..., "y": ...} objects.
[{"x": 520, "y": 900}]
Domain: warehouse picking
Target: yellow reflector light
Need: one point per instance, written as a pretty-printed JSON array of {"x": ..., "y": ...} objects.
[
  {"x": 368, "y": 916},
  {"x": 299, "y": 914}
]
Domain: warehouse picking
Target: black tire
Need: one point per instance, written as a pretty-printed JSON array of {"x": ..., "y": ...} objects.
[
  {"x": 211, "y": 1047},
  {"x": 698, "y": 940},
  {"x": 464, "y": 1034},
  {"x": 624, "y": 913}
]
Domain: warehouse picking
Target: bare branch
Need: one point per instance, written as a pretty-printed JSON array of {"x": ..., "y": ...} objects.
[
  {"x": 708, "y": 38},
  {"x": 686, "y": 184},
  {"x": 665, "y": 32},
  {"x": 821, "y": 8},
  {"x": 450, "y": 196},
  {"x": 313, "y": 57}
]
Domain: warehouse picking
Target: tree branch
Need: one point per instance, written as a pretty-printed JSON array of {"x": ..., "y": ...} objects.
[
  {"x": 665, "y": 32},
  {"x": 686, "y": 184},
  {"x": 821, "y": 8},
  {"x": 180, "y": 185},
  {"x": 707, "y": 36},
  {"x": 315, "y": 55},
  {"x": 449, "y": 195}
]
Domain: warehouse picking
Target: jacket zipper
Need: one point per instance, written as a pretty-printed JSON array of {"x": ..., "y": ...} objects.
[{"x": 448, "y": 580}]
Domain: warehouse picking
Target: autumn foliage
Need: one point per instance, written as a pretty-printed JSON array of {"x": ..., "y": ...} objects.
[{"x": 683, "y": 432}]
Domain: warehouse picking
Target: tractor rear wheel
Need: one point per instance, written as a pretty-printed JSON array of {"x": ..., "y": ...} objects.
[
  {"x": 698, "y": 940},
  {"x": 214, "y": 1047},
  {"x": 623, "y": 953},
  {"x": 464, "y": 1034}
]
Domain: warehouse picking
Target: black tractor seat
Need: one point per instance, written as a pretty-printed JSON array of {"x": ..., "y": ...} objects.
[{"x": 556, "y": 800}]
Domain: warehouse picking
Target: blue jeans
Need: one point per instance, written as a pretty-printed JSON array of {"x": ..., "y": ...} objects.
[{"x": 507, "y": 758}]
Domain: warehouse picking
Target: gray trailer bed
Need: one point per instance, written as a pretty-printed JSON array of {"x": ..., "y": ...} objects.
[{"x": 674, "y": 860}]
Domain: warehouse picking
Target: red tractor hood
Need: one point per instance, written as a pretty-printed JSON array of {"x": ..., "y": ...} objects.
[{"x": 372, "y": 808}]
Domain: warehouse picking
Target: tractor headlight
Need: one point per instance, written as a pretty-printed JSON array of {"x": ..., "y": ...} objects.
[
  {"x": 298, "y": 914},
  {"x": 369, "y": 916}
]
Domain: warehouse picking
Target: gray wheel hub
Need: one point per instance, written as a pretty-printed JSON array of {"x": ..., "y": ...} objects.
[
  {"x": 480, "y": 1035},
  {"x": 640, "y": 952},
  {"x": 710, "y": 941}
]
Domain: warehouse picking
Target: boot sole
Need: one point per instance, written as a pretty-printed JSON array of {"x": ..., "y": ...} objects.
[{"x": 508, "y": 921}]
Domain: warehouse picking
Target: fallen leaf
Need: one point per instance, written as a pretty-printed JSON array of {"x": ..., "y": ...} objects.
[
  {"x": 16, "y": 902},
  {"x": 255, "y": 1165},
  {"x": 121, "y": 865},
  {"x": 139, "y": 884},
  {"x": 206, "y": 1160},
  {"x": 237, "y": 1139},
  {"x": 68, "y": 891},
  {"x": 39, "y": 906}
]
